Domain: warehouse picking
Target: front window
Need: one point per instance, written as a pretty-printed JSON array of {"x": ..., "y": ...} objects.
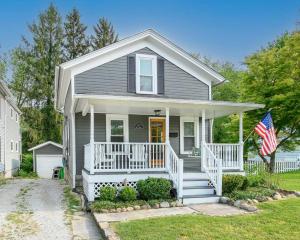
[
  {"x": 146, "y": 79},
  {"x": 117, "y": 128},
  {"x": 189, "y": 136}
]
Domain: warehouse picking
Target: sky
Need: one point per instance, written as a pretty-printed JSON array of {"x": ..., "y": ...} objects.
[{"x": 221, "y": 30}]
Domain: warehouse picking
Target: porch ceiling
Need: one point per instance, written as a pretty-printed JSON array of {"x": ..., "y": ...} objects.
[{"x": 146, "y": 106}]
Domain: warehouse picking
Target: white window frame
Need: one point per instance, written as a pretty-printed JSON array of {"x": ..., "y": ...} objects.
[
  {"x": 153, "y": 58},
  {"x": 195, "y": 120},
  {"x": 12, "y": 146},
  {"x": 123, "y": 118}
]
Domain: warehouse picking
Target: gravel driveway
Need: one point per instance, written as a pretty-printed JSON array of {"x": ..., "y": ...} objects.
[{"x": 33, "y": 209}]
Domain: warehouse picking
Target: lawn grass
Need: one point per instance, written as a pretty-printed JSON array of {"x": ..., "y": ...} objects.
[
  {"x": 290, "y": 180},
  {"x": 277, "y": 220}
]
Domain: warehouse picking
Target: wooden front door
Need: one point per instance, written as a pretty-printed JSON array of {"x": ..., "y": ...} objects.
[{"x": 157, "y": 134}]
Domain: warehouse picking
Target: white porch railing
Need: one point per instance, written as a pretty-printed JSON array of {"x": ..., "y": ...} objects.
[
  {"x": 120, "y": 157},
  {"x": 175, "y": 170},
  {"x": 87, "y": 156},
  {"x": 229, "y": 153},
  {"x": 213, "y": 168}
]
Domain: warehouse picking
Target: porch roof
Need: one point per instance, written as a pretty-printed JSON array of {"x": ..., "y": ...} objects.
[{"x": 147, "y": 105}]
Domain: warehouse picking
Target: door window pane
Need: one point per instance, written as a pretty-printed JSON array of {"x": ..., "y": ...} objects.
[{"x": 117, "y": 131}]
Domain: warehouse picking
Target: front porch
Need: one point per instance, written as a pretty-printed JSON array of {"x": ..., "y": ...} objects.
[{"x": 163, "y": 150}]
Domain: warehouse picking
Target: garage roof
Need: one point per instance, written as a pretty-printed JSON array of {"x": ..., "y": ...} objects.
[{"x": 45, "y": 144}]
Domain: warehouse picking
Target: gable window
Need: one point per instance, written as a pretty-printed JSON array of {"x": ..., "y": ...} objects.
[
  {"x": 117, "y": 128},
  {"x": 146, "y": 74},
  {"x": 189, "y": 134}
]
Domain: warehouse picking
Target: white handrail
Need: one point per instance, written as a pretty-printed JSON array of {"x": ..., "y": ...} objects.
[
  {"x": 213, "y": 168},
  {"x": 175, "y": 169}
]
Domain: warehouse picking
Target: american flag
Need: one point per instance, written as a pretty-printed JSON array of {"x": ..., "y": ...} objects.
[{"x": 265, "y": 129}]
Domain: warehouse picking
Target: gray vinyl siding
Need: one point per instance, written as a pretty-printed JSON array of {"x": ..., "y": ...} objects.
[
  {"x": 111, "y": 79},
  {"x": 138, "y": 134},
  {"x": 82, "y": 133},
  {"x": 48, "y": 150}
]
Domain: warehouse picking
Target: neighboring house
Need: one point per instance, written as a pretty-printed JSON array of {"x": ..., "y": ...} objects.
[
  {"x": 10, "y": 135},
  {"x": 46, "y": 157},
  {"x": 143, "y": 107}
]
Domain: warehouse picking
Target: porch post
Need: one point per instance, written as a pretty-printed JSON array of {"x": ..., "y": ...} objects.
[
  {"x": 167, "y": 137},
  {"x": 92, "y": 141},
  {"x": 203, "y": 153},
  {"x": 241, "y": 143}
]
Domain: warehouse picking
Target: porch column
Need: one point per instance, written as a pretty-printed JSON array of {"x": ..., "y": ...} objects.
[
  {"x": 92, "y": 140},
  {"x": 241, "y": 143},
  {"x": 203, "y": 153},
  {"x": 167, "y": 137}
]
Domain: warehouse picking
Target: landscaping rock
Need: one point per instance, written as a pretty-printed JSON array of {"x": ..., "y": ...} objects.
[
  {"x": 238, "y": 203},
  {"x": 113, "y": 210},
  {"x": 119, "y": 210},
  {"x": 164, "y": 205},
  {"x": 124, "y": 209},
  {"x": 156, "y": 206},
  {"x": 254, "y": 201},
  {"x": 173, "y": 204},
  {"x": 248, "y": 207},
  {"x": 129, "y": 209},
  {"x": 269, "y": 199},
  {"x": 277, "y": 196},
  {"x": 179, "y": 204},
  {"x": 224, "y": 200},
  {"x": 297, "y": 194},
  {"x": 137, "y": 207},
  {"x": 104, "y": 211},
  {"x": 145, "y": 206},
  {"x": 261, "y": 199}
]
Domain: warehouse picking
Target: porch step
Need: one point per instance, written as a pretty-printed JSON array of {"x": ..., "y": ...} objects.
[
  {"x": 198, "y": 190},
  {"x": 195, "y": 182},
  {"x": 194, "y": 175},
  {"x": 196, "y": 199}
]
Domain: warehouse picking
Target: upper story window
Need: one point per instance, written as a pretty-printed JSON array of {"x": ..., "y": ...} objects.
[{"x": 146, "y": 74}]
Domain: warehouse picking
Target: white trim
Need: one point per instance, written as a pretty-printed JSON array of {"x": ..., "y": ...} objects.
[
  {"x": 44, "y": 144},
  {"x": 208, "y": 103},
  {"x": 149, "y": 129},
  {"x": 49, "y": 155},
  {"x": 184, "y": 119},
  {"x": 124, "y": 118},
  {"x": 153, "y": 59}
]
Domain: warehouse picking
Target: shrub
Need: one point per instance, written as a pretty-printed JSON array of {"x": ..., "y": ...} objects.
[
  {"x": 27, "y": 163},
  {"x": 98, "y": 205},
  {"x": 108, "y": 194},
  {"x": 127, "y": 194},
  {"x": 232, "y": 183},
  {"x": 154, "y": 188},
  {"x": 252, "y": 193},
  {"x": 24, "y": 174}
]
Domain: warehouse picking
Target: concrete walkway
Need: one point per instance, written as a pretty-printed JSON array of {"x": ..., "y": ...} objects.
[{"x": 214, "y": 209}]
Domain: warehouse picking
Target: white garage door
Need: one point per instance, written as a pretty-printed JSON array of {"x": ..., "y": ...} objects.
[{"x": 46, "y": 163}]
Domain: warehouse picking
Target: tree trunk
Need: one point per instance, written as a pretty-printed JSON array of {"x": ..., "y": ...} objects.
[{"x": 272, "y": 162}]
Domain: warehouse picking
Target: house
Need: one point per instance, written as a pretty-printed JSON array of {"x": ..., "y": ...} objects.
[
  {"x": 46, "y": 157},
  {"x": 10, "y": 135},
  {"x": 140, "y": 107}
]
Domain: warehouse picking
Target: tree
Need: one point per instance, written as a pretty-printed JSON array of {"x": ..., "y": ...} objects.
[
  {"x": 3, "y": 66},
  {"x": 104, "y": 34},
  {"x": 33, "y": 79},
  {"x": 273, "y": 78},
  {"x": 75, "y": 41}
]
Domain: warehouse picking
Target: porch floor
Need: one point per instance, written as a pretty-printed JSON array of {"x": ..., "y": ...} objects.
[{"x": 191, "y": 164}]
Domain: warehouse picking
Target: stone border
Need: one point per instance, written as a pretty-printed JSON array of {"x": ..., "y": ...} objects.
[{"x": 250, "y": 204}]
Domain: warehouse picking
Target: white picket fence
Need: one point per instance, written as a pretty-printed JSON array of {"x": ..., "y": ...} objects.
[{"x": 281, "y": 166}]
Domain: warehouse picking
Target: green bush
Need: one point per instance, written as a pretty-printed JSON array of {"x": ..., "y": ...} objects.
[
  {"x": 232, "y": 183},
  {"x": 127, "y": 194},
  {"x": 27, "y": 163},
  {"x": 108, "y": 194},
  {"x": 154, "y": 188},
  {"x": 252, "y": 193},
  {"x": 24, "y": 174}
]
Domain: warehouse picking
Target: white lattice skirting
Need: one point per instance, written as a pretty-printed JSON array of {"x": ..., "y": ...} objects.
[{"x": 117, "y": 185}]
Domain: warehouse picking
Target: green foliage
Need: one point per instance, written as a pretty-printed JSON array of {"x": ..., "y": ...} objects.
[
  {"x": 108, "y": 193},
  {"x": 3, "y": 67},
  {"x": 75, "y": 41},
  {"x": 72, "y": 199},
  {"x": 154, "y": 188},
  {"x": 27, "y": 163},
  {"x": 231, "y": 183},
  {"x": 2, "y": 180},
  {"x": 127, "y": 194},
  {"x": 23, "y": 174},
  {"x": 251, "y": 193},
  {"x": 104, "y": 34}
]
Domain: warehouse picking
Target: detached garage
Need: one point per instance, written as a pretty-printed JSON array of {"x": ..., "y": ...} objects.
[{"x": 46, "y": 157}]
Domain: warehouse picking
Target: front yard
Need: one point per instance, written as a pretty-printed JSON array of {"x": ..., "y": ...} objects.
[{"x": 276, "y": 220}]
